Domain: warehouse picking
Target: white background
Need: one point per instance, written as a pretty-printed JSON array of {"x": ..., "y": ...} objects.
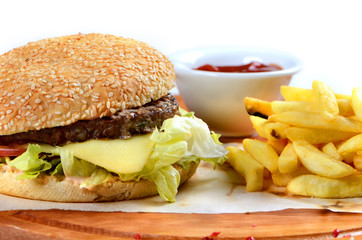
[{"x": 325, "y": 35}]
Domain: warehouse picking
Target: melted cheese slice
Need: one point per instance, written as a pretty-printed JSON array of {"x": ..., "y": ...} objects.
[{"x": 119, "y": 155}]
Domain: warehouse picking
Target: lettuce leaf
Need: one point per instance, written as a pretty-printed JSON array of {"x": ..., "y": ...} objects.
[
  {"x": 75, "y": 167},
  {"x": 57, "y": 170},
  {"x": 30, "y": 163},
  {"x": 167, "y": 180},
  {"x": 182, "y": 139},
  {"x": 98, "y": 176}
]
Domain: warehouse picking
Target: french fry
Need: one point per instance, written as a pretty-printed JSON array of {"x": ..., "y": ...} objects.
[
  {"x": 257, "y": 107},
  {"x": 275, "y": 130},
  {"x": 258, "y": 124},
  {"x": 331, "y": 150},
  {"x": 248, "y": 167},
  {"x": 353, "y": 144},
  {"x": 316, "y": 136},
  {"x": 278, "y": 145},
  {"x": 322, "y": 187},
  {"x": 282, "y": 179},
  {"x": 320, "y": 163},
  {"x": 313, "y": 142},
  {"x": 344, "y": 107},
  {"x": 315, "y": 120},
  {"x": 297, "y": 94},
  {"x": 325, "y": 100},
  {"x": 343, "y": 96},
  {"x": 301, "y": 94},
  {"x": 288, "y": 160},
  {"x": 263, "y": 153},
  {"x": 357, "y": 102},
  {"x": 357, "y": 161},
  {"x": 348, "y": 158},
  {"x": 289, "y": 106}
]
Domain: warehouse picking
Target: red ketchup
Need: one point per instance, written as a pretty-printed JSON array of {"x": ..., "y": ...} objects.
[{"x": 246, "y": 68}]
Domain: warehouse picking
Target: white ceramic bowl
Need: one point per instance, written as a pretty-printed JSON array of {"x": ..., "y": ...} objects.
[{"x": 217, "y": 97}]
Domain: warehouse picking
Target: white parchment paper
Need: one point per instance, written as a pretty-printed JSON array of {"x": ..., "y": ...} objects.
[{"x": 208, "y": 191}]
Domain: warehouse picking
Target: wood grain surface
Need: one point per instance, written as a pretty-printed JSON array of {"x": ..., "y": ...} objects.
[{"x": 286, "y": 224}]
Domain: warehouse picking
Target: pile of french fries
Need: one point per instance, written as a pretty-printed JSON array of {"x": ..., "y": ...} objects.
[{"x": 311, "y": 143}]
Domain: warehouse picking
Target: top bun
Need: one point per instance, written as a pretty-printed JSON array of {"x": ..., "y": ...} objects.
[{"x": 58, "y": 81}]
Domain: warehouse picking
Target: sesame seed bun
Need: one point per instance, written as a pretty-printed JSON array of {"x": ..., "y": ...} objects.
[
  {"x": 58, "y": 81},
  {"x": 49, "y": 188}
]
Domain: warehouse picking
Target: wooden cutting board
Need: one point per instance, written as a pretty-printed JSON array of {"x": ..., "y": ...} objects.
[{"x": 286, "y": 224}]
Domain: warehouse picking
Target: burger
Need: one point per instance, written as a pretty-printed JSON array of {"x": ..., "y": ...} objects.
[{"x": 89, "y": 117}]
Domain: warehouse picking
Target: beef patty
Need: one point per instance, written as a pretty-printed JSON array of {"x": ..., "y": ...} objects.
[{"x": 121, "y": 125}]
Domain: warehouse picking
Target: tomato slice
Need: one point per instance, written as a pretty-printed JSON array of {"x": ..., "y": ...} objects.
[{"x": 6, "y": 151}]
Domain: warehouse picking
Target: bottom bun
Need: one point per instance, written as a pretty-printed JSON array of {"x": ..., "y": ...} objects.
[{"x": 50, "y": 188}]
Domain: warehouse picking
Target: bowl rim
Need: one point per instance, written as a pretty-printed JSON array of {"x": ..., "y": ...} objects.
[{"x": 181, "y": 67}]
